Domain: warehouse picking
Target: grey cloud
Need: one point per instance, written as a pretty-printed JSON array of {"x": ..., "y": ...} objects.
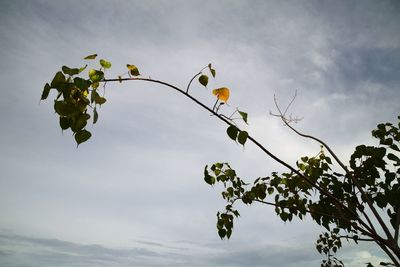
[
  {"x": 142, "y": 168},
  {"x": 17, "y": 250},
  {"x": 46, "y": 252},
  {"x": 157, "y": 244}
]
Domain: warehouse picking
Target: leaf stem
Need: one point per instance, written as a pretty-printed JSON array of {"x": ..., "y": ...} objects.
[{"x": 191, "y": 80}]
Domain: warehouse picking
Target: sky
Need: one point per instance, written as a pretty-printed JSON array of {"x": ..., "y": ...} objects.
[{"x": 134, "y": 195}]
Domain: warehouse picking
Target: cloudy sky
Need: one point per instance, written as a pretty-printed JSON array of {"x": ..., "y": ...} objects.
[{"x": 134, "y": 194}]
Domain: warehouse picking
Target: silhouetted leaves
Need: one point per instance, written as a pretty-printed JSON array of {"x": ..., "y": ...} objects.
[
  {"x": 82, "y": 136},
  {"x": 243, "y": 115},
  {"x": 203, "y": 79},
  {"x": 232, "y": 132},
  {"x": 45, "y": 92},
  {"x": 242, "y": 137},
  {"x": 212, "y": 71}
]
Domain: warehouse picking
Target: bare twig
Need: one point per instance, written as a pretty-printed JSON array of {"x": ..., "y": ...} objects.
[{"x": 368, "y": 200}]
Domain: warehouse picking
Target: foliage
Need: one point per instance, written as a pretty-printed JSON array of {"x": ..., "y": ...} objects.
[{"x": 360, "y": 203}]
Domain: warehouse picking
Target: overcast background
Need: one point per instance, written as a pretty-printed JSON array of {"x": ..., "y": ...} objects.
[{"x": 134, "y": 194}]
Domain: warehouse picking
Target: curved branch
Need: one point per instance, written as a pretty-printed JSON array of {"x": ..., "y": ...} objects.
[
  {"x": 266, "y": 151},
  {"x": 191, "y": 80}
]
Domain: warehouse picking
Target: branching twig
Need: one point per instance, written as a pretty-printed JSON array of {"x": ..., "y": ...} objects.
[{"x": 368, "y": 200}]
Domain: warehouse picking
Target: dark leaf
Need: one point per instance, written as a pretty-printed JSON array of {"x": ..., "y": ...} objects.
[
  {"x": 211, "y": 70},
  {"x": 46, "y": 91},
  {"x": 95, "y": 115},
  {"x": 243, "y": 115},
  {"x": 82, "y": 83},
  {"x": 59, "y": 79},
  {"x": 203, "y": 79},
  {"x": 79, "y": 122},
  {"x": 393, "y": 157},
  {"x": 82, "y": 136},
  {"x": 222, "y": 233},
  {"x": 70, "y": 71},
  {"x": 242, "y": 137},
  {"x": 209, "y": 179},
  {"x": 100, "y": 100},
  {"x": 65, "y": 123},
  {"x": 64, "y": 108},
  {"x": 232, "y": 132},
  {"x": 91, "y": 56}
]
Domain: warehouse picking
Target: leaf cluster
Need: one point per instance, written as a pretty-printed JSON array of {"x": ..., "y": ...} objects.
[{"x": 76, "y": 97}]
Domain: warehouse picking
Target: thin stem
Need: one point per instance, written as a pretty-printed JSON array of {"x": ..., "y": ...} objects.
[
  {"x": 397, "y": 224},
  {"x": 290, "y": 103},
  {"x": 191, "y": 80}
]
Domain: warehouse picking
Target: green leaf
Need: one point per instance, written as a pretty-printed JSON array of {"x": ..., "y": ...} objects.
[
  {"x": 203, "y": 79},
  {"x": 105, "y": 64},
  {"x": 232, "y": 132},
  {"x": 82, "y": 69},
  {"x": 100, "y": 100},
  {"x": 73, "y": 71},
  {"x": 211, "y": 70},
  {"x": 95, "y": 115},
  {"x": 70, "y": 71},
  {"x": 209, "y": 179},
  {"x": 242, "y": 137},
  {"x": 93, "y": 96},
  {"x": 82, "y": 136},
  {"x": 229, "y": 233},
  {"x": 96, "y": 75},
  {"x": 79, "y": 122},
  {"x": 45, "y": 92},
  {"x": 95, "y": 85},
  {"x": 91, "y": 56},
  {"x": 65, "y": 123},
  {"x": 59, "y": 79},
  {"x": 133, "y": 70},
  {"x": 243, "y": 115},
  {"x": 222, "y": 233},
  {"x": 82, "y": 83},
  {"x": 64, "y": 108}
]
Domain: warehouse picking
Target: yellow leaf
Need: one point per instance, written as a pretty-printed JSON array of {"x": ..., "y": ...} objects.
[
  {"x": 133, "y": 70},
  {"x": 222, "y": 93}
]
